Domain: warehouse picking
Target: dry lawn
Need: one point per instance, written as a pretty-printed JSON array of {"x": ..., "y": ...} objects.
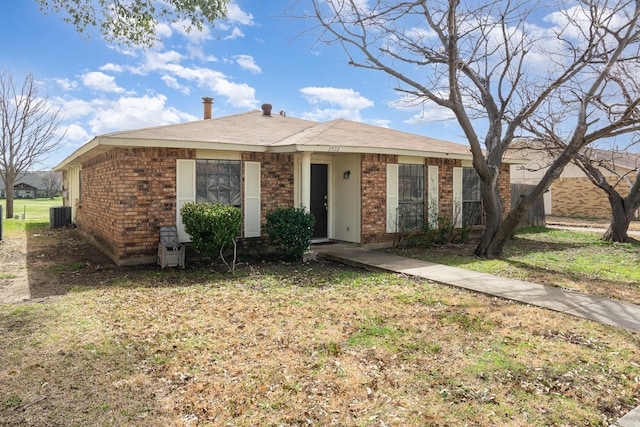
[{"x": 289, "y": 345}]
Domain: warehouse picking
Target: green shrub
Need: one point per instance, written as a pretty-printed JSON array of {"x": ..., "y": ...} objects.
[
  {"x": 290, "y": 230},
  {"x": 212, "y": 227}
]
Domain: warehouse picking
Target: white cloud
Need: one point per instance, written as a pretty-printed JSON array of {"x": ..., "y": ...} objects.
[
  {"x": 236, "y": 33},
  {"x": 239, "y": 95},
  {"x": 155, "y": 61},
  {"x": 193, "y": 35},
  {"x": 383, "y": 123},
  {"x": 246, "y": 62},
  {"x": 345, "y": 98},
  {"x": 134, "y": 112},
  {"x": 173, "y": 83},
  {"x": 73, "y": 109},
  {"x": 345, "y": 103},
  {"x": 423, "y": 111},
  {"x": 66, "y": 84},
  {"x": 163, "y": 30},
  {"x": 235, "y": 15},
  {"x": 327, "y": 114},
  {"x": 110, "y": 67},
  {"x": 75, "y": 135},
  {"x": 97, "y": 80},
  {"x": 126, "y": 112}
]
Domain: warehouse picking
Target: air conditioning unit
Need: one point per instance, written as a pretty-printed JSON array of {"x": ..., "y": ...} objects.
[{"x": 59, "y": 216}]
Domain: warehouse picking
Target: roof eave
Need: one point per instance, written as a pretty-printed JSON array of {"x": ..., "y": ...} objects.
[
  {"x": 100, "y": 145},
  {"x": 367, "y": 150}
]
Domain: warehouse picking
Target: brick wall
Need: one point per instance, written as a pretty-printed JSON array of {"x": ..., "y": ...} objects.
[
  {"x": 374, "y": 198},
  {"x": 445, "y": 185},
  {"x": 578, "y": 197},
  {"x": 127, "y": 194},
  {"x": 504, "y": 181},
  {"x": 374, "y": 201},
  {"x": 276, "y": 180}
]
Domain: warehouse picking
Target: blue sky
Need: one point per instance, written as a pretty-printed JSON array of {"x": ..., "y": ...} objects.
[{"x": 258, "y": 55}]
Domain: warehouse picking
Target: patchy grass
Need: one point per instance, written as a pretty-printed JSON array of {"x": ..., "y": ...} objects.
[
  {"x": 318, "y": 344},
  {"x": 31, "y": 209},
  {"x": 291, "y": 345},
  {"x": 570, "y": 259},
  {"x": 35, "y": 211}
]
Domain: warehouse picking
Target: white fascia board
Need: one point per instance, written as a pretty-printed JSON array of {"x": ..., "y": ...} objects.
[
  {"x": 101, "y": 145},
  {"x": 367, "y": 150},
  {"x": 168, "y": 143}
]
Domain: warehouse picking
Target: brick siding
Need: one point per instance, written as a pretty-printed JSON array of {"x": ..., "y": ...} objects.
[
  {"x": 504, "y": 181},
  {"x": 445, "y": 185},
  {"x": 127, "y": 194},
  {"x": 276, "y": 180},
  {"x": 374, "y": 186},
  {"x": 374, "y": 197},
  {"x": 579, "y": 197}
]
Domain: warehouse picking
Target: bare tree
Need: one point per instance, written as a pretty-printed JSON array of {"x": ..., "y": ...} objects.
[
  {"x": 615, "y": 106},
  {"x": 497, "y": 72},
  {"x": 614, "y": 171},
  {"x": 623, "y": 208},
  {"x": 29, "y": 126},
  {"x": 51, "y": 182}
]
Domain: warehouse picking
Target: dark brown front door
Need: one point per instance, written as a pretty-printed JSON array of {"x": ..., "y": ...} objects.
[{"x": 319, "y": 199}]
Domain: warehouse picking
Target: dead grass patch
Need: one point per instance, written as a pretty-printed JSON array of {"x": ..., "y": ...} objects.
[
  {"x": 290, "y": 345},
  {"x": 338, "y": 347}
]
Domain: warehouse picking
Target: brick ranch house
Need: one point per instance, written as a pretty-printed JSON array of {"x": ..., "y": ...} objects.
[
  {"x": 573, "y": 194},
  {"x": 353, "y": 177}
]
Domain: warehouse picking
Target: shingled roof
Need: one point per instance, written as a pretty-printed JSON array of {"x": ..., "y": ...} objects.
[{"x": 253, "y": 131}]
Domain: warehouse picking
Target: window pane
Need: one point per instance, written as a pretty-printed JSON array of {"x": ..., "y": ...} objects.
[
  {"x": 472, "y": 211},
  {"x": 218, "y": 181},
  {"x": 411, "y": 206}
]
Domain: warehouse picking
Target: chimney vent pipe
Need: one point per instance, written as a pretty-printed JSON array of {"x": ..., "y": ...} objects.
[
  {"x": 266, "y": 109},
  {"x": 208, "y": 103}
]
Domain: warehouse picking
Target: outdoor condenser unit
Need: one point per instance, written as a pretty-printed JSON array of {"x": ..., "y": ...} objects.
[{"x": 59, "y": 216}]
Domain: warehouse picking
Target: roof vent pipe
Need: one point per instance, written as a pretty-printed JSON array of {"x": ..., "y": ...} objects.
[
  {"x": 208, "y": 103},
  {"x": 266, "y": 109}
]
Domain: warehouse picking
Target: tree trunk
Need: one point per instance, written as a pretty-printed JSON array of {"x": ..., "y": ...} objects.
[
  {"x": 494, "y": 211},
  {"x": 8, "y": 184},
  {"x": 621, "y": 216}
]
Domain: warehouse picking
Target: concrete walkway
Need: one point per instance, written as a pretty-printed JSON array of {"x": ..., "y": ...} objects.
[
  {"x": 604, "y": 310},
  {"x": 599, "y": 309}
]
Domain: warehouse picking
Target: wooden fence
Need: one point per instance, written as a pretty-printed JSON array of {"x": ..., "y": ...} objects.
[{"x": 535, "y": 215}]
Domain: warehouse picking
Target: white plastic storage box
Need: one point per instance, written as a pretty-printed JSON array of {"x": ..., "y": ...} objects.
[{"x": 170, "y": 250}]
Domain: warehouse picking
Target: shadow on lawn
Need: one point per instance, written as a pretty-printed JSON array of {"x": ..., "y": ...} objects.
[{"x": 61, "y": 260}]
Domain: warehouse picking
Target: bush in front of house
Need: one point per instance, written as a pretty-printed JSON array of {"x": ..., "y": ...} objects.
[
  {"x": 290, "y": 230},
  {"x": 213, "y": 228}
]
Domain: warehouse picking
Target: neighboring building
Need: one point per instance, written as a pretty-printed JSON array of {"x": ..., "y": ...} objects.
[
  {"x": 30, "y": 185},
  {"x": 573, "y": 194},
  {"x": 353, "y": 177}
]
